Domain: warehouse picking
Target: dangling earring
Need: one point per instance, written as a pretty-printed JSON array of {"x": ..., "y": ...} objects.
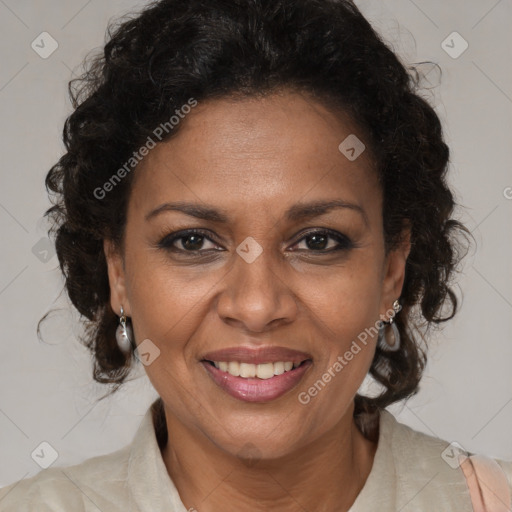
[
  {"x": 124, "y": 334},
  {"x": 389, "y": 336}
]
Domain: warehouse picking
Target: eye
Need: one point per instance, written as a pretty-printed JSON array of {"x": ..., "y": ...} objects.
[
  {"x": 324, "y": 241},
  {"x": 191, "y": 240}
]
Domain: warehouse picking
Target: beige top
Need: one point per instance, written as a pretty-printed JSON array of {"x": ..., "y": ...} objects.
[{"x": 408, "y": 474}]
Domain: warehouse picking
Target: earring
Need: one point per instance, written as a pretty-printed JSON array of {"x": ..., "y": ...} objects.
[
  {"x": 389, "y": 336},
  {"x": 124, "y": 334}
]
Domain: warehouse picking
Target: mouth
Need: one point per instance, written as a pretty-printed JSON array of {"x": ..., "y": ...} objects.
[{"x": 256, "y": 375}]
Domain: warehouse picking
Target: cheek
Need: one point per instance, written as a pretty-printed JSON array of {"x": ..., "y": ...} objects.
[
  {"x": 345, "y": 311},
  {"x": 168, "y": 303},
  {"x": 347, "y": 298},
  {"x": 344, "y": 308},
  {"x": 168, "y": 307}
]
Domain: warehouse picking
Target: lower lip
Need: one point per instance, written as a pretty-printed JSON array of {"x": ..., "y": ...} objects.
[{"x": 254, "y": 389}]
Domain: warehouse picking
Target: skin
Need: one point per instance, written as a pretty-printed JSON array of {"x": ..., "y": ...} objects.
[{"x": 254, "y": 159}]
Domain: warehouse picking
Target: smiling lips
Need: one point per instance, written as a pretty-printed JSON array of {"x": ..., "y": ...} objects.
[{"x": 256, "y": 375}]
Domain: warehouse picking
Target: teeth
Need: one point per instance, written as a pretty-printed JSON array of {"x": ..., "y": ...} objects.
[
  {"x": 248, "y": 370},
  {"x": 278, "y": 368},
  {"x": 265, "y": 371},
  {"x": 234, "y": 368}
]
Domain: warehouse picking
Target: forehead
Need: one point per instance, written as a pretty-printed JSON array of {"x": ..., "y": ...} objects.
[{"x": 279, "y": 150}]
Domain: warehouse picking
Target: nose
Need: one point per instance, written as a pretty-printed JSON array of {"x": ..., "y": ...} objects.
[{"x": 256, "y": 296}]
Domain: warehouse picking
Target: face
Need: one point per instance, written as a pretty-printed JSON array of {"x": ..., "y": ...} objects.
[{"x": 253, "y": 267}]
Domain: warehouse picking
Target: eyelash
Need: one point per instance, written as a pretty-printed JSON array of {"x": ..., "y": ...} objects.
[{"x": 344, "y": 243}]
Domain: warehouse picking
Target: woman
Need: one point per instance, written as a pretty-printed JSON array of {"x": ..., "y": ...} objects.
[{"x": 253, "y": 205}]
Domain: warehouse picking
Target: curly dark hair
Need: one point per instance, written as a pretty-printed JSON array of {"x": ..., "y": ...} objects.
[{"x": 157, "y": 59}]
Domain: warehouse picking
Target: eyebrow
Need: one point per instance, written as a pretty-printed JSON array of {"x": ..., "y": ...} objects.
[
  {"x": 299, "y": 211},
  {"x": 302, "y": 211}
]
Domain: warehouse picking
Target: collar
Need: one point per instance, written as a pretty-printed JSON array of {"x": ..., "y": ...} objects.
[{"x": 152, "y": 490}]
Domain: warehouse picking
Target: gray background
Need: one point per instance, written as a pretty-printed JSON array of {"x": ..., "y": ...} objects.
[{"x": 46, "y": 389}]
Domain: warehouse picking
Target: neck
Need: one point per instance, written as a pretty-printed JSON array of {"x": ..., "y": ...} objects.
[{"x": 325, "y": 475}]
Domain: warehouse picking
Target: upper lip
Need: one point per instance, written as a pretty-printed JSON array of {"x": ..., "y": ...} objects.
[{"x": 259, "y": 355}]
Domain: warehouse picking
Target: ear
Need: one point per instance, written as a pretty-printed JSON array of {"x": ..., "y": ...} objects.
[
  {"x": 394, "y": 270},
  {"x": 116, "y": 278}
]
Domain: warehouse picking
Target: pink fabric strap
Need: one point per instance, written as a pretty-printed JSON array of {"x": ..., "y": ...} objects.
[{"x": 488, "y": 485}]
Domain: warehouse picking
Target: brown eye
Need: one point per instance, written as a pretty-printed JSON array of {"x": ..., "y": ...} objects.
[
  {"x": 324, "y": 241},
  {"x": 319, "y": 242},
  {"x": 188, "y": 241},
  {"x": 192, "y": 242}
]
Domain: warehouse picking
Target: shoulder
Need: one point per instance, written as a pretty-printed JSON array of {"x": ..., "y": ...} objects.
[
  {"x": 127, "y": 480},
  {"x": 506, "y": 466},
  {"x": 428, "y": 469},
  {"x": 96, "y": 483}
]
